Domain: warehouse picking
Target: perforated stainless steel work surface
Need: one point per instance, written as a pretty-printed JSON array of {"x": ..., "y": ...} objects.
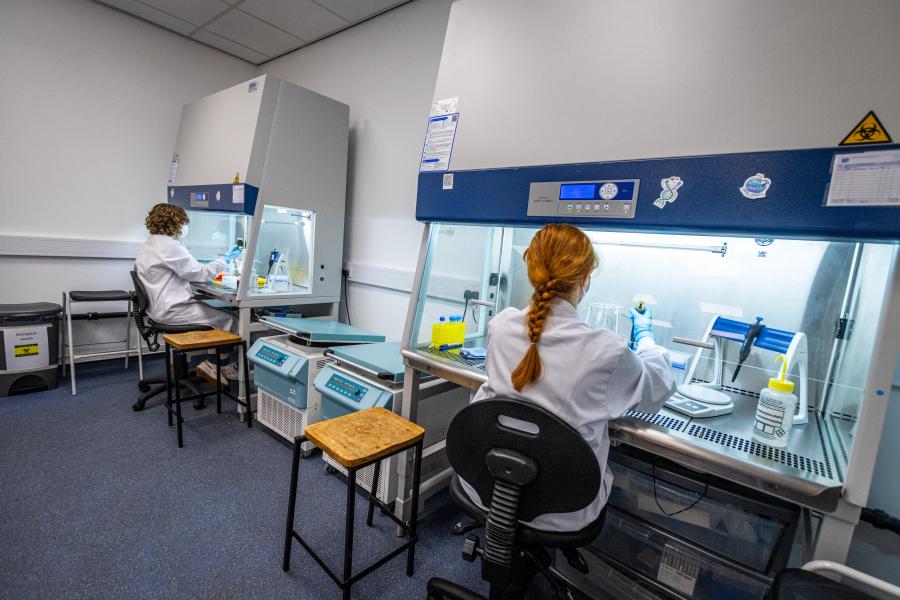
[{"x": 808, "y": 455}]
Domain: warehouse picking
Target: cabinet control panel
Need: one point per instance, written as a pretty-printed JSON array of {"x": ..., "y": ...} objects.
[{"x": 607, "y": 199}]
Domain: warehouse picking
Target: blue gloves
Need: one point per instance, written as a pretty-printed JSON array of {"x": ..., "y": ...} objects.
[
  {"x": 641, "y": 324},
  {"x": 232, "y": 254}
]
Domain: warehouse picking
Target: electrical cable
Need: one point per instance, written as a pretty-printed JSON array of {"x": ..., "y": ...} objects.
[
  {"x": 466, "y": 309},
  {"x": 346, "y": 298},
  {"x": 880, "y": 519},
  {"x": 686, "y": 508}
]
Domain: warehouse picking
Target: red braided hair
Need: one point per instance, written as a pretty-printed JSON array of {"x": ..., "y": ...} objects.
[{"x": 558, "y": 258}]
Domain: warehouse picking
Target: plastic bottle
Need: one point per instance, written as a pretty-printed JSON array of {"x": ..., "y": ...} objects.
[
  {"x": 456, "y": 330},
  {"x": 438, "y": 332},
  {"x": 775, "y": 411}
]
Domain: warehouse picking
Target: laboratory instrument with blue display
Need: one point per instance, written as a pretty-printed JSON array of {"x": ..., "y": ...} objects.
[
  {"x": 371, "y": 375},
  {"x": 710, "y": 243},
  {"x": 286, "y": 366}
]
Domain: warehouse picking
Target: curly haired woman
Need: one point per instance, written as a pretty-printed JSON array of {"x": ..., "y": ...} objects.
[
  {"x": 166, "y": 269},
  {"x": 546, "y": 355}
]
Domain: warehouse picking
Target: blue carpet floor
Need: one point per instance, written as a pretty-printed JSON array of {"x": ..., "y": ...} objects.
[{"x": 97, "y": 501}]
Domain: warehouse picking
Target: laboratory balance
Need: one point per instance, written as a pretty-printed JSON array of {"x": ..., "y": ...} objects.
[
  {"x": 371, "y": 375},
  {"x": 286, "y": 366}
]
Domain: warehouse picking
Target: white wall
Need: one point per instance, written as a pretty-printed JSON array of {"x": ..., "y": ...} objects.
[
  {"x": 385, "y": 70},
  {"x": 90, "y": 108},
  {"x": 574, "y": 80}
]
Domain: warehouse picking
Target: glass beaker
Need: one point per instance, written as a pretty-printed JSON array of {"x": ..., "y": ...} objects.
[{"x": 601, "y": 314}]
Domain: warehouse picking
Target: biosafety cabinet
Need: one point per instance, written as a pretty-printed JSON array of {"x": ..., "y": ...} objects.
[
  {"x": 263, "y": 165},
  {"x": 791, "y": 253}
]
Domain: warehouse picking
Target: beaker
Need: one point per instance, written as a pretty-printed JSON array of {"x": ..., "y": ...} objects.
[{"x": 603, "y": 315}]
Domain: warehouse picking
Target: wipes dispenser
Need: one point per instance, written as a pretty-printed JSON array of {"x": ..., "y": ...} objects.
[{"x": 775, "y": 413}]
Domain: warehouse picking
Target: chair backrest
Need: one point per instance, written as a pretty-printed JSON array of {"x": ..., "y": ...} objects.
[
  {"x": 142, "y": 300},
  {"x": 507, "y": 439}
]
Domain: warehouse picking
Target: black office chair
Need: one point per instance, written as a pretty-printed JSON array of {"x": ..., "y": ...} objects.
[
  {"x": 528, "y": 462},
  {"x": 150, "y": 330}
]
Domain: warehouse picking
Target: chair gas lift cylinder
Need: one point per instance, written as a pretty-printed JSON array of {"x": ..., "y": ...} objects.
[{"x": 815, "y": 258}]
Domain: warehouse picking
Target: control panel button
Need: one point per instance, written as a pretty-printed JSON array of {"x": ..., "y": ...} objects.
[{"x": 605, "y": 207}]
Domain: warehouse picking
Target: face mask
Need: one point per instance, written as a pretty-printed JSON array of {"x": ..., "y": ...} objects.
[
  {"x": 185, "y": 230},
  {"x": 584, "y": 290}
]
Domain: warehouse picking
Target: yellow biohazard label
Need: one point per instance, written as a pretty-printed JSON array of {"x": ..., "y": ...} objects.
[
  {"x": 237, "y": 178},
  {"x": 27, "y": 350},
  {"x": 868, "y": 131}
]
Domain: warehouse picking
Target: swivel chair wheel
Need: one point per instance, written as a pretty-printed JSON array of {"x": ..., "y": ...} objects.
[
  {"x": 138, "y": 406},
  {"x": 200, "y": 404},
  {"x": 330, "y": 470}
]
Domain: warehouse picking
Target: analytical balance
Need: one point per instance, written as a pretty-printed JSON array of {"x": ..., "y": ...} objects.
[
  {"x": 263, "y": 165},
  {"x": 810, "y": 252},
  {"x": 371, "y": 375},
  {"x": 285, "y": 367}
]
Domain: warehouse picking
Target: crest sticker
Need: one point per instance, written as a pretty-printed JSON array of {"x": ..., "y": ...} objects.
[{"x": 756, "y": 187}]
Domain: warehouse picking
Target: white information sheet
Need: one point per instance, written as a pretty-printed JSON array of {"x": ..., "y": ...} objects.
[
  {"x": 865, "y": 179},
  {"x": 26, "y": 347},
  {"x": 439, "y": 142},
  {"x": 677, "y": 571},
  {"x": 237, "y": 194},
  {"x": 444, "y": 107}
]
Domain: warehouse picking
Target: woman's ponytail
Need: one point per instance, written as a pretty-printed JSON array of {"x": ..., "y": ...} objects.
[{"x": 558, "y": 258}]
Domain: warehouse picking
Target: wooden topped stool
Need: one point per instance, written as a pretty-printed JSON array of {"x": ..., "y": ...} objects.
[
  {"x": 356, "y": 441},
  {"x": 180, "y": 343}
]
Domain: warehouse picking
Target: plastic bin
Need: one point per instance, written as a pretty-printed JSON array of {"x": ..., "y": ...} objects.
[
  {"x": 29, "y": 347},
  {"x": 682, "y": 570},
  {"x": 727, "y": 529}
]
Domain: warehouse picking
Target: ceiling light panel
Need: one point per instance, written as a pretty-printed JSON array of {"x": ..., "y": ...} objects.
[
  {"x": 303, "y": 18},
  {"x": 253, "y": 33}
]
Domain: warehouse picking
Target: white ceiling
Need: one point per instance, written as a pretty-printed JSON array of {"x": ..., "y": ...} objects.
[{"x": 254, "y": 30}]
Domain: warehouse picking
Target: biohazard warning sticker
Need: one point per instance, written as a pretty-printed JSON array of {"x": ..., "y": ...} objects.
[{"x": 868, "y": 131}]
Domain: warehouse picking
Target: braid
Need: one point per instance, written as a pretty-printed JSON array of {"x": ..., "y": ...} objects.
[{"x": 558, "y": 257}]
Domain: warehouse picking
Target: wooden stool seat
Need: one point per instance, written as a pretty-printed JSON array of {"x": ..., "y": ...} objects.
[
  {"x": 363, "y": 436},
  {"x": 201, "y": 340}
]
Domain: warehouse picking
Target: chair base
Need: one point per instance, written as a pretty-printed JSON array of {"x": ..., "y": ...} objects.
[{"x": 154, "y": 387}]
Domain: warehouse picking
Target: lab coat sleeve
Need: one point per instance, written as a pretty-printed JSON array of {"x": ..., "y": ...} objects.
[
  {"x": 188, "y": 268},
  {"x": 641, "y": 381}
]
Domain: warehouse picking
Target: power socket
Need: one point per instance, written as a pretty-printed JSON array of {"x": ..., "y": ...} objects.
[{"x": 471, "y": 295}]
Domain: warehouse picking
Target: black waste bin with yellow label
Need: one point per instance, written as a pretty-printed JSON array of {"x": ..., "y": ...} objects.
[{"x": 29, "y": 347}]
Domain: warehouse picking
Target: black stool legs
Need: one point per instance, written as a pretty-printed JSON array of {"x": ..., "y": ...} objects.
[
  {"x": 348, "y": 579},
  {"x": 172, "y": 382}
]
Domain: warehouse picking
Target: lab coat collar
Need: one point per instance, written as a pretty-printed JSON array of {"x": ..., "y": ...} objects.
[{"x": 562, "y": 307}]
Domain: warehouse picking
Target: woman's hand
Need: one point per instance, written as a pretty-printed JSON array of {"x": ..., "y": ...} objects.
[{"x": 642, "y": 324}]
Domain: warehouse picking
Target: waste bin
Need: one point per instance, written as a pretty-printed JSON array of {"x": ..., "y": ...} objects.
[{"x": 29, "y": 347}]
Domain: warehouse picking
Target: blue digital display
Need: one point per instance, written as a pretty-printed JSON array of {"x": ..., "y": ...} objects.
[
  {"x": 346, "y": 387},
  {"x": 603, "y": 190},
  {"x": 271, "y": 355},
  {"x": 577, "y": 191}
]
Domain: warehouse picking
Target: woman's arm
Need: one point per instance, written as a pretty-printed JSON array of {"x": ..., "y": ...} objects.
[
  {"x": 186, "y": 266},
  {"x": 641, "y": 381}
]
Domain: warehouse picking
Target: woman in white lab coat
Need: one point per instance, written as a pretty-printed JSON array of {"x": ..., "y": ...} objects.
[
  {"x": 546, "y": 355},
  {"x": 166, "y": 269}
]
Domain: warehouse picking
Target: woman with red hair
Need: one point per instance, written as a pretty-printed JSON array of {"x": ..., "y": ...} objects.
[{"x": 544, "y": 354}]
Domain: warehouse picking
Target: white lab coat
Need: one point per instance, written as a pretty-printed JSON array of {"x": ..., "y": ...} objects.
[
  {"x": 589, "y": 377},
  {"x": 166, "y": 269}
]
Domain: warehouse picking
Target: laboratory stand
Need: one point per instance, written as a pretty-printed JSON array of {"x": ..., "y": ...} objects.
[{"x": 759, "y": 255}]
